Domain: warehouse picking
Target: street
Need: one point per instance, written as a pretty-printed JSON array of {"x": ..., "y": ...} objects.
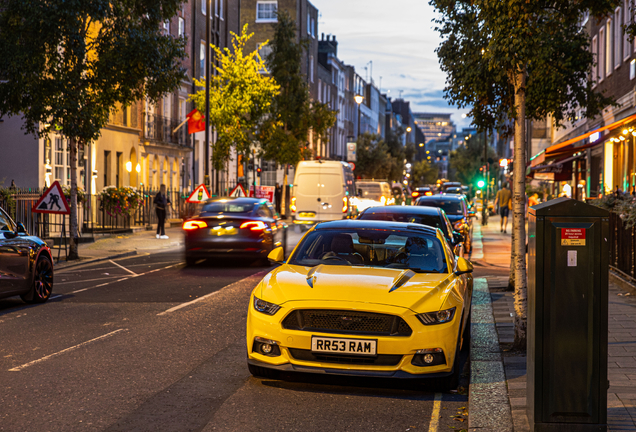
[{"x": 145, "y": 343}]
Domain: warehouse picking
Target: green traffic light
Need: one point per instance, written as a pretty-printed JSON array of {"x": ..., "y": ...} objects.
[{"x": 480, "y": 184}]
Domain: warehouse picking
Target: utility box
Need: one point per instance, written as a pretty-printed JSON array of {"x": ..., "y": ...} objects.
[{"x": 568, "y": 257}]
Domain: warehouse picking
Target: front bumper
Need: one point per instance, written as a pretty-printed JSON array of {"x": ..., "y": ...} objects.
[{"x": 442, "y": 336}]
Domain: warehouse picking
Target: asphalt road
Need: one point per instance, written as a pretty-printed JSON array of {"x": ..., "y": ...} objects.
[{"x": 146, "y": 344}]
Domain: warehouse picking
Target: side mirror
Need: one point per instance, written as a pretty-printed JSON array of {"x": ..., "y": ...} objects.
[
  {"x": 457, "y": 238},
  {"x": 20, "y": 229},
  {"x": 472, "y": 214},
  {"x": 277, "y": 256},
  {"x": 463, "y": 266}
]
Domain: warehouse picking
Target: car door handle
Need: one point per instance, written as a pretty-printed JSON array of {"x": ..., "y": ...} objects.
[{"x": 318, "y": 200}]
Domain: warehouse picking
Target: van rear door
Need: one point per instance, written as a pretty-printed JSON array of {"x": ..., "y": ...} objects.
[{"x": 319, "y": 192}]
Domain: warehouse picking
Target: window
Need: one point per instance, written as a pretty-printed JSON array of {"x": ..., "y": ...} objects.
[
  {"x": 216, "y": 7},
  {"x": 313, "y": 27},
  {"x": 264, "y": 51},
  {"x": 59, "y": 159},
  {"x": 311, "y": 68},
  {"x": 181, "y": 27},
  {"x": 627, "y": 46},
  {"x": 617, "y": 37},
  {"x": 166, "y": 26},
  {"x": 202, "y": 60},
  {"x": 609, "y": 31},
  {"x": 221, "y": 8},
  {"x": 266, "y": 11},
  {"x": 601, "y": 55},
  {"x": 308, "y": 24},
  {"x": 204, "y": 4}
]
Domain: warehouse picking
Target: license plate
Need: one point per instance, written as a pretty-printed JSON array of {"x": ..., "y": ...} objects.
[
  {"x": 221, "y": 231},
  {"x": 343, "y": 346}
]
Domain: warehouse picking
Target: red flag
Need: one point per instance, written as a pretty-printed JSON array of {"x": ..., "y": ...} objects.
[{"x": 196, "y": 121}]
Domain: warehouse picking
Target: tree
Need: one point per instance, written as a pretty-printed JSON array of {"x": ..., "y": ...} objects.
[
  {"x": 518, "y": 59},
  {"x": 373, "y": 159},
  {"x": 424, "y": 173},
  {"x": 240, "y": 98},
  {"x": 466, "y": 161},
  {"x": 65, "y": 65}
]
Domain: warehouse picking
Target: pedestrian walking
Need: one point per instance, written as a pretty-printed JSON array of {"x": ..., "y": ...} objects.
[
  {"x": 278, "y": 195},
  {"x": 161, "y": 202},
  {"x": 533, "y": 200},
  {"x": 504, "y": 201}
]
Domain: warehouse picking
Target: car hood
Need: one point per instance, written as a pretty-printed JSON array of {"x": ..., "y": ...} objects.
[{"x": 420, "y": 292}]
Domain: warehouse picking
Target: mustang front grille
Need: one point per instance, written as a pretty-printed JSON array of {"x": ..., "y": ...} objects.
[
  {"x": 379, "y": 360},
  {"x": 346, "y": 322}
]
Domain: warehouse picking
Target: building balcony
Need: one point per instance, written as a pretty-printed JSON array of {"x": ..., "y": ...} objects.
[{"x": 159, "y": 128}]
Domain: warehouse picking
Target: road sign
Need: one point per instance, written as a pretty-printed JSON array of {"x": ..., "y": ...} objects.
[
  {"x": 238, "y": 191},
  {"x": 199, "y": 195},
  {"x": 263, "y": 192},
  {"x": 353, "y": 166},
  {"x": 52, "y": 201}
]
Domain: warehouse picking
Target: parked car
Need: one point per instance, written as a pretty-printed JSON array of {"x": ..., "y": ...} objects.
[
  {"x": 434, "y": 217},
  {"x": 26, "y": 263},
  {"x": 323, "y": 190},
  {"x": 456, "y": 209},
  {"x": 244, "y": 228},
  {"x": 363, "y": 298},
  {"x": 422, "y": 191}
]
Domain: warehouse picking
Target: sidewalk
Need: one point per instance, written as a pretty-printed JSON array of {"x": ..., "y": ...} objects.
[{"x": 621, "y": 396}]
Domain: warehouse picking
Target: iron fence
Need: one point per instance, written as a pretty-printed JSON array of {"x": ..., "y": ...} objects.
[
  {"x": 622, "y": 247},
  {"x": 159, "y": 128}
]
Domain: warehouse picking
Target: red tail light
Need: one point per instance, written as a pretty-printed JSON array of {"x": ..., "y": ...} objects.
[
  {"x": 415, "y": 194},
  {"x": 194, "y": 224},
  {"x": 429, "y": 193},
  {"x": 345, "y": 204},
  {"x": 254, "y": 225}
]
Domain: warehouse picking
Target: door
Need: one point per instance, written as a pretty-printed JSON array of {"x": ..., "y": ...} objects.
[{"x": 14, "y": 258}]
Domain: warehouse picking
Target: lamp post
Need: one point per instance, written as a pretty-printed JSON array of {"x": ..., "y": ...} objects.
[{"x": 358, "y": 98}]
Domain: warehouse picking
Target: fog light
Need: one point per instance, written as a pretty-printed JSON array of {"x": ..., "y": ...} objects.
[
  {"x": 267, "y": 348},
  {"x": 428, "y": 358}
]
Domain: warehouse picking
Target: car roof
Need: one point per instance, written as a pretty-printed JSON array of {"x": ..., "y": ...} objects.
[
  {"x": 445, "y": 197},
  {"x": 374, "y": 224},
  {"x": 420, "y": 210},
  {"x": 237, "y": 200}
]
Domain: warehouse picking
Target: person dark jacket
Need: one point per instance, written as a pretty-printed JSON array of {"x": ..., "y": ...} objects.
[{"x": 161, "y": 201}]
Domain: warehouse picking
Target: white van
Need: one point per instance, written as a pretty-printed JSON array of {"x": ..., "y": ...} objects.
[
  {"x": 322, "y": 191},
  {"x": 373, "y": 193}
]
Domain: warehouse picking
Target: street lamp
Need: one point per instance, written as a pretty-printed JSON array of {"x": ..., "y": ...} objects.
[
  {"x": 408, "y": 129},
  {"x": 129, "y": 169},
  {"x": 358, "y": 98}
]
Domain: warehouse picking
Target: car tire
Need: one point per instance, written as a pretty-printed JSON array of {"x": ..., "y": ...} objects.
[
  {"x": 466, "y": 332},
  {"x": 42, "y": 282},
  {"x": 262, "y": 372}
]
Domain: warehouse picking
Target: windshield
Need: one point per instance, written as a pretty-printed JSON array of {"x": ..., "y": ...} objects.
[
  {"x": 370, "y": 190},
  {"x": 451, "y": 207},
  {"x": 371, "y": 247},
  {"x": 428, "y": 220},
  {"x": 228, "y": 207}
]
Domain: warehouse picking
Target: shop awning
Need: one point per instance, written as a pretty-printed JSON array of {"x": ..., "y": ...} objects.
[
  {"x": 559, "y": 170},
  {"x": 567, "y": 148}
]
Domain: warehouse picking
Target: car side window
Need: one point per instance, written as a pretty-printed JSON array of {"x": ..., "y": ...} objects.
[
  {"x": 263, "y": 211},
  {"x": 5, "y": 223},
  {"x": 271, "y": 210}
]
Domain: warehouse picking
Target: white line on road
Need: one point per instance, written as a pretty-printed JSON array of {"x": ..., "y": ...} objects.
[
  {"x": 26, "y": 365},
  {"x": 437, "y": 405},
  {"x": 182, "y": 305},
  {"x": 122, "y": 267},
  {"x": 87, "y": 280}
]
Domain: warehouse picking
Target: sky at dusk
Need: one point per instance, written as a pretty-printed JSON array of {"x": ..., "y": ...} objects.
[{"x": 398, "y": 37}]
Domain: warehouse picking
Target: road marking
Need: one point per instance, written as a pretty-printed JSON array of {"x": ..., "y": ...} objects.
[
  {"x": 87, "y": 280},
  {"x": 182, "y": 305},
  {"x": 122, "y": 267},
  {"x": 26, "y": 365},
  {"x": 437, "y": 405}
]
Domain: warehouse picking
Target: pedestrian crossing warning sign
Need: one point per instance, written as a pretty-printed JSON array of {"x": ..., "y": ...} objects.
[
  {"x": 52, "y": 201},
  {"x": 238, "y": 191},
  {"x": 199, "y": 195}
]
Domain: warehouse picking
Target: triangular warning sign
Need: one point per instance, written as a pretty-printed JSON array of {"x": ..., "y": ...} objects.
[
  {"x": 52, "y": 201},
  {"x": 199, "y": 195},
  {"x": 238, "y": 191}
]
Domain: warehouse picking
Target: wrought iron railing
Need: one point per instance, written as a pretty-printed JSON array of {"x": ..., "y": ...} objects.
[{"x": 160, "y": 128}]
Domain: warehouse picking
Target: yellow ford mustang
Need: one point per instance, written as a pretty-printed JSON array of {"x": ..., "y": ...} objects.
[{"x": 364, "y": 298}]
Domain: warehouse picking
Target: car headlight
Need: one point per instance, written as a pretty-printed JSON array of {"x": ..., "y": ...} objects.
[
  {"x": 439, "y": 317},
  {"x": 459, "y": 224},
  {"x": 265, "y": 307}
]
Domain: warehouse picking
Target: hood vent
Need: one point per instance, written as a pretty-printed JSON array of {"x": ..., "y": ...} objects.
[{"x": 403, "y": 278}]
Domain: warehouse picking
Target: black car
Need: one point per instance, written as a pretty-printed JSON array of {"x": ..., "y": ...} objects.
[
  {"x": 431, "y": 216},
  {"x": 422, "y": 191},
  {"x": 457, "y": 211},
  {"x": 239, "y": 227},
  {"x": 26, "y": 265}
]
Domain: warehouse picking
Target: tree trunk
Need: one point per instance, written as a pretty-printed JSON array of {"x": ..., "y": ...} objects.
[
  {"x": 518, "y": 221},
  {"x": 511, "y": 278},
  {"x": 73, "y": 230}
]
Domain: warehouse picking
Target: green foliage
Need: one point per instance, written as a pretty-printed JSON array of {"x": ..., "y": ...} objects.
[
  {"x": 285, "y": 136},
  {"x": 486, "y": 43},
  {"x": 120, "y": 201},
  {"x": 240, "y": 98},
  {"x": 423, "y": 173},
  {"x": 64, "y": 65},
  {"x": 467, "y": 159},
  {"x": 373, "y": 159}
]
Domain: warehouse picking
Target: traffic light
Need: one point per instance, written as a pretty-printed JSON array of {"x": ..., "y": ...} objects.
[
  {"x": 258, "y": 171},
  {"x": 481, "y": 184}
]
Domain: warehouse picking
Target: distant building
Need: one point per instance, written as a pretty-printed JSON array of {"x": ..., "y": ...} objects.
[{"x": 435, "y": 126}]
